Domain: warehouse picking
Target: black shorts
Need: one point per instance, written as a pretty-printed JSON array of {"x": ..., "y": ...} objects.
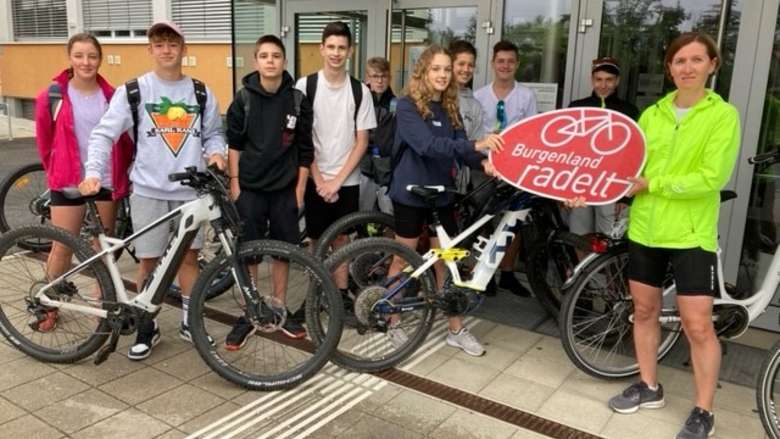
[
  {"x": 409, "y": 220},
  {"x": 275, "y": 213},
  {"x": 59, "y": 199},
  {"x": 695, "y": 270},
  {"x": 321, "y": 214}
]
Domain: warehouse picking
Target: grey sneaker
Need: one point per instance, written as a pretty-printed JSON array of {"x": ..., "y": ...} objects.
[
  {"x": 638, "y": 395},
  {"x": 465, "y": 340},
  {"x": 699, "y": 425},
  {"x": 397, "y": 335}
]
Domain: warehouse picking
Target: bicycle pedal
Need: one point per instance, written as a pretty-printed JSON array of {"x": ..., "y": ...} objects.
[{"x": 108, "y": 349}]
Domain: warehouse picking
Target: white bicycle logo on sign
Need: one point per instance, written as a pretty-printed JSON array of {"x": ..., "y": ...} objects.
[{"x": 608, "y": 137}]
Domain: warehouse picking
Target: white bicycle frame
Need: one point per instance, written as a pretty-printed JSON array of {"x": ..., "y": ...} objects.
[
  {"x": 755, "y": 305},
  {"x": 193, "y": 215},
  {"x": 491, "y": 250}
]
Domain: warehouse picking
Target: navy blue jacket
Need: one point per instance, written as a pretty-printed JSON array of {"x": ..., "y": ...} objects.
[{"x": 430, "y": 150}]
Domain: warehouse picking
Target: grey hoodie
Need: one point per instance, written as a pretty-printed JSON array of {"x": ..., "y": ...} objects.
[
  {"x": 471, "y": 112},
  {"x": 169, "y": 131}
]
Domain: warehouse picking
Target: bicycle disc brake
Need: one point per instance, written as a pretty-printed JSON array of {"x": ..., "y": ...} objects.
[{"x": 365, "y": 303}]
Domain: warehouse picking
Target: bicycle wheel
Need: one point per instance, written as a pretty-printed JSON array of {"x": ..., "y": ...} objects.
[
  {"x": 267, "y": 359},
  {"x": 768, "y": 392},
  {"x": 49, "y": 334},
  {"x": 365, "y": 345},
  {"x": 363, "y": 224},
  {"x": 596, "y": 332},
  {"x": 549, "y": 266},
  {"x": 24, "y": 200}
]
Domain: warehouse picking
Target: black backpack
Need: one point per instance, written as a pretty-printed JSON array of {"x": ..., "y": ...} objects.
[
  {"x": 55, "y": 100},
  {"x": 357, "y": 91},
  {"x": 381, "y": 166},
  {"x": 134, "y": 100}
]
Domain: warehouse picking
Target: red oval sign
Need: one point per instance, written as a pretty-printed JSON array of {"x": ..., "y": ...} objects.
[{"x": 573, "y": 152}]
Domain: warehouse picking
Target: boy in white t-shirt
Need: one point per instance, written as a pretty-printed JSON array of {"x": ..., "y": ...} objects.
[
  {"x": 504, "y": 102},
  {"x": 343, "y": 114}
]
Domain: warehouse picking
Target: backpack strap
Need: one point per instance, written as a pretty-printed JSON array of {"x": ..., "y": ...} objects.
[
  {"x": 243, "y": 98},
  {"x": 357, "y": 96},
  {"x": 311, "y": 86},
  {"x": 134, "y": 100},
  {"x": 201, "y": 96},
  {"x": 55, "y": 100},
  {"x": 298, "y": 97}
]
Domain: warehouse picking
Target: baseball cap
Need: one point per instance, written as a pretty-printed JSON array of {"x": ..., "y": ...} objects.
[
  {"x": 160, "y": 25},
  {"x": 607, "y": 64}
]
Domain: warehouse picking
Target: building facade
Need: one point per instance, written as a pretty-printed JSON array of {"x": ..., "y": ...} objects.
[{"x": 557, "y": 40}]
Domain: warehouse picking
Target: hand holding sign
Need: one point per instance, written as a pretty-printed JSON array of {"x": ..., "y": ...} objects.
[{"x": 587, "y": 153}]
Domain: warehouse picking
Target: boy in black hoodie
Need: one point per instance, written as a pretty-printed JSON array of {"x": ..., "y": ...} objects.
[{"x": 270, "y": 151}]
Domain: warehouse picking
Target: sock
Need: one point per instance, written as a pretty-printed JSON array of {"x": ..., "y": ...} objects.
[
  {"x": 185, "y": 306},
  {"x": 653, "y": 388}
]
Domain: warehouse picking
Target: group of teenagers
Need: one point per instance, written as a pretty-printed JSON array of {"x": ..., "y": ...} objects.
[{"x": 310, "y": 142}]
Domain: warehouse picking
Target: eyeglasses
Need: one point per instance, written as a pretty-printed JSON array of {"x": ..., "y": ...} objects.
[{"x": 500, "y": 115}]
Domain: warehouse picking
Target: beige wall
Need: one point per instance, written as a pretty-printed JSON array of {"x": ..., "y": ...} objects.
[{"x": 25, "y": 69}]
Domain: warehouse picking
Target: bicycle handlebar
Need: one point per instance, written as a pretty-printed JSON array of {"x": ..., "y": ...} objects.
[{"x": 767, "y": 157}]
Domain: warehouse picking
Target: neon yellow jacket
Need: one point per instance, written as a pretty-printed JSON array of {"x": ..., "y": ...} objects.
[{"x": 688, "y": 163}]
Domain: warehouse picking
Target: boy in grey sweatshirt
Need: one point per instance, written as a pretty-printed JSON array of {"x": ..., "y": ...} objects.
[{"x": 171, "y": 137}]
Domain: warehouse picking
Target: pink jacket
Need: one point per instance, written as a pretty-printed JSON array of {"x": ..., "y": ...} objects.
[{"x": 59, "y": 149}]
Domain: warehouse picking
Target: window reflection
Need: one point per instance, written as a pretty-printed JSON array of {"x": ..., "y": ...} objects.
[
  {"x": 540, "y": 29},
  {"x": 638, "y": 32},
  {"x": 761, "y": 228}
]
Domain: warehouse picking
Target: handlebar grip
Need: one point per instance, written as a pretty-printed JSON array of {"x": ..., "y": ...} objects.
[
  {"x": 178, "y": 176},
  {"x": 765, "y": 157}
]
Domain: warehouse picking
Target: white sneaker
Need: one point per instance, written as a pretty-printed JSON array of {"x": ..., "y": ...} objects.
[
  {"x": 397, "y": 335},
  {"x": 466, "y": 341}
]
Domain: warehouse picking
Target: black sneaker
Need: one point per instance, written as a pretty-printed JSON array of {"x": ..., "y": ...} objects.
[
  {"x": 293, "y": 328},
  {"x": 508, "y": 281},
  {"x": 240, "y": 333},
  {"x": 699, "y": 425},
  {"x": 186, "y": 335},
  {"x": 638, "y": 395},
  {"x": 147, "y": 338}
]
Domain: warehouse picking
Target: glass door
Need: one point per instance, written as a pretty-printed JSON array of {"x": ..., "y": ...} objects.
[
  {"x": 638, "y": 32},
  {"x": 418, "y": 24},
  {"x": 304, "y": 21},
  {"x": 543, "y": 30}
]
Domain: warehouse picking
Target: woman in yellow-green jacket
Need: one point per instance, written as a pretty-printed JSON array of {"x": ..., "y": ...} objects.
[{"x": 692, "y": 144}]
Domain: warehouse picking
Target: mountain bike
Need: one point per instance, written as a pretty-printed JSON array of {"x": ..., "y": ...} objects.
[
  {"x": 408, "y": 301},
  {"x": 67, "y": 314},
  {"x": 25, "y": 199},
  {"x": 596, "y": 323}
]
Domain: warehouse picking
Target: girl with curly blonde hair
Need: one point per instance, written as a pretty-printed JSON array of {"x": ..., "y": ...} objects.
[{"x": 432, "y": 143}]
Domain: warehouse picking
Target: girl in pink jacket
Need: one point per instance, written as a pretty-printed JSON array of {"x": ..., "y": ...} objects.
[{"x": 65, "y": 114}]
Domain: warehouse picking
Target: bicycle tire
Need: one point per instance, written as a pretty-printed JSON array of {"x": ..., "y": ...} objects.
[
  {"x": 765, "y": 388},
  {"x": 24, "y": 189},
  {"x": 224, "y": 362},
  {"x": 350, "y": 353},
  {"x": 601, "y": 292},
  {"x": 550, "y": 262},
  {"x": 21, "y": 335},
  {"x": 356, "y": 225}
]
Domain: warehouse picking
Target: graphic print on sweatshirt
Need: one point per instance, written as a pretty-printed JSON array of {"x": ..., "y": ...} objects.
[{"x": 174, "y": 122}]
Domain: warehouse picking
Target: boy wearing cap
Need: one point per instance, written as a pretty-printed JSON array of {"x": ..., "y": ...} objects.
[
  {"x": 605, "y": 78},
  {"x": 504, "y": 102},
  {"x": 167, "y": 107}
]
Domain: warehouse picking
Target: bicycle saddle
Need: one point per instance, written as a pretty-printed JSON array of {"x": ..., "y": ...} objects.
[{"x": 427, "y": 193}]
